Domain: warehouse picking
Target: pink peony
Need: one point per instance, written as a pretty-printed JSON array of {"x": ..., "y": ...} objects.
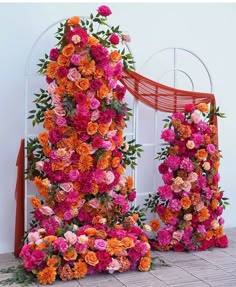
[
  {"x": 163, "y": 237},
  {"x": 165, "y": 192},
  {"x": 114, "y": 39},
  {"x": 104, "y": 10},
  {"x": 173, "y": 162},
  {"x": 77, "y": 36},
  {"x": 168, "y": 135},
  {"x": 222, "y": 242},
  {"x": 60, "y": 244},
  {"x": 186, "y": 164}
]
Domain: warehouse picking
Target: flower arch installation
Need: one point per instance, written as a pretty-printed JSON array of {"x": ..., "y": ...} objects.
[{"x": 83, "y": 222}]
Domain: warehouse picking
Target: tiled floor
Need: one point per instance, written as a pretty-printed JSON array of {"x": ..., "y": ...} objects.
[{"x": 206, "y": 268}]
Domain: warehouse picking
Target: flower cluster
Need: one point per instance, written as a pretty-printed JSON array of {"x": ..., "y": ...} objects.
[
  {"x": 77, "y": 164},
  {"x": 86, "y": 250},
  {"x": 190, "y": 203}
]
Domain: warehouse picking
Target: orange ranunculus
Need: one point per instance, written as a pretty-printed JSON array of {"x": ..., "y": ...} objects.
[
  {"x": 68, "y": 50},
  {"x": 82, "y": 84},
  {"x": 91, "y": 258},
  {"x": 103, "y": 129},
  {"x": 176, "y": 123},
  {"x": 143, "y": 238},
  {"x": 85, "y": 163},
  {"x": 63, "y": 61},
  {"x": 120, "y": 169},
  {"x": 215, "y": 165},
  {"x": 51, "y": 70},
  {"x": 83, "y": 149},
  {"x": 57, "y": 166},
  {"x": 209, "y": 235},
  {"x": 98, "y": 74},
  {"x": 201, "y": 154},
  {"x": 202, "y": 107},
  {"x": 167, "y": 216},
  {"x": 214, "y": 203},
  {"x": 127, "y": 242},
  {"x": 118, "y": 226},
  {"x": 102, "y": 163},
  {"x": 61, "y": 81},
  {"x": 35, "y": 202},
  {"x": 53, "y": 261},
  {"x": 155, "y": 225},
  {"x": 75, "y": 20},
  {"x": 115, "y": 56},
  {"x": 115, "y": 161},
  {"x": 70, "y": 254},
  {"x": 184, "y": 131},
  {"x": 219, "y": 232},
  {"x": 144, "y": 264},
  {"x": 71, "y": 88},
  {"x": 130, "y": 182},
  {"x": 92, "y": 41},
  {"x": 80, "y": 269},
  {"x": 86, "y": 66},
  {"x": 46, "y": 150},
  {"x": 47, "y": 275},
  {"x": 185, "y": 202},
  {"x": 92, "y": 128},
  {"x": 114, "y": 246},
  {"x": 203, "y": 214},
  {"x": 43, "y": 138},
  {"x": 103, "y": 92}
]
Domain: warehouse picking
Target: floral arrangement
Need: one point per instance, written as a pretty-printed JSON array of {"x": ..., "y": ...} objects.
[
  {"x": 190, "y": 203},
  {"x": 83, "y": 222}
]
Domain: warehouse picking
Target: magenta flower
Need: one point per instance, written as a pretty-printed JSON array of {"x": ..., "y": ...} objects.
[
  {"x": 189, "y": 108},
  {"x": 163, "y": 237},
  {"x": 104, "y": 10},
  {"x": 173, "y": 162},
  {"x": 168, "y": 135},
  {"x": 114, "y": 39},
  {"x": 165, "y": 192},
  {"x": 54, "y": 53}
]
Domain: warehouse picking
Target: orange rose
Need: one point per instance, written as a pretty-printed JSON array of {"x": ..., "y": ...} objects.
[
  {"x": 80, "y": 269},
  {"x": 43, "y": 138},
  {"x": 92, "y": 41},
  {"x": 127, "y": 242},
  {"x": 115, "y": 56},
  {"x": 155, "y": 225},
  {"x": 85, "y": 163},
  {"x": 145, "y": 264},
  {"x": 75, "y": 20},
  {"x": 202, "y": 107},
  {"x": 98, "y": 74},
  {"x": 135, "y": 216},
  {"x": 114, "y": 246},
  {"x": 102, "y": 163},
  {"x": 103, "y": 91},
  {"x": 101, "y": 234},
  {"x": 68, "y": 50},
  {"x": 83, "y": 149},
  {"x": 115, "y": 162},
  {"x": 203, "y": 214},
  {"x": 82, "y": 84},
  {"x": 51, "y": 69},
  {"x": 90, "y": 231},
  {"x": 103, "y": 129},
  {"x": 184, "y": 131},
  {"x": 209, "y": 235},
  {"x": 53, "y": 261},
  {"x": 130, "y": 182},
  {"x": 57, "y": 166},
  {"x": 63, "y": 61},
  {"x": 120, "y": 169},
  {"x": 91, "y": 258},
  {"x": 60, "y": 90},
  {"x": 95, "y": 188},
  {"x": 86, "y": 67},
  {"x": 201, "y": 154},
  {"x": 185, "y": 202},
  {"x": 70, "y": 254},
  {"x": 214, "y": 203},
  {"x": 92, "y": 128},
  {"x": 35, "y": 202},
  {"x": 46, "y": 150}
]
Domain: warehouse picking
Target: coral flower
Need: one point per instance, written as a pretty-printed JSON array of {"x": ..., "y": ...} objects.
[
  {"x": 145, "y": 264},
  {"x": 85, "y": 163},
  {"x": 114, "y": 246},
  {"x": 155, "y": 225},
  {"x": 47, "y": 275},
  {"x": 201, "y": 154},
  {"x": 91, "y": 258},
  {"x": 80, "y": 269},
  {"x": 75, "y": 20},
  {"x": 202, "y": 107},
  {"x": 35, "y": 202},
  {"x": 203, "y": 214}
]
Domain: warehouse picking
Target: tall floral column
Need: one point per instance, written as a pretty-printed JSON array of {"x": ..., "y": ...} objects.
[
  {"x": 82, "y": 219},
  {"x": 190, "y": 202}
]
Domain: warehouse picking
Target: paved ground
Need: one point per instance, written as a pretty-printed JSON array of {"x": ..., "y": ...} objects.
[{"x": 205, "y": 268}]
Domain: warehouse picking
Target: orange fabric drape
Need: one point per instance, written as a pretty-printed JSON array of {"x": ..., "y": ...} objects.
[
  {"x": 19, "y": 196},
  {"x": 161, "y": 97}
]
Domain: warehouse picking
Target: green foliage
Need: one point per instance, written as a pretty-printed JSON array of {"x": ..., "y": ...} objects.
[
  {"x": 43, "y": 65},
  {"x": 19, "y": 276},
  {"x": 152, "y": 201},
  {"x": 130, "y": 152}
]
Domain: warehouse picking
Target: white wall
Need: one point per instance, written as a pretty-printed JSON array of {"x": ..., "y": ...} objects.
[{"x": 206, "y": 29}]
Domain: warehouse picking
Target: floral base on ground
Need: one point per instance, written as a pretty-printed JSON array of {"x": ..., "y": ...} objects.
[{"x": 190, "y": 203}]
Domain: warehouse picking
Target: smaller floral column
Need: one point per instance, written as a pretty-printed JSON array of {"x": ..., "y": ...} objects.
[{"x": 190, "y": 203}]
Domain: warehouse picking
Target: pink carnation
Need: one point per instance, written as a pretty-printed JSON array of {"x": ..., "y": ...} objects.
[
  {"x": 163, "y": 237},
  {"x": 168, "y": 135},
  {"x": 175, "y": 205},
  {"x": 173, "y": 162},
  {"x": 165, "y": 192}
]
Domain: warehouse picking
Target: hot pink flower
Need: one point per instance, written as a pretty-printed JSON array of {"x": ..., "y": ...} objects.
[
  {"x": 211, "y": 148},
  {"x": 100, "y": 244},
  {"x": 60, "y": 244},
  {"x": 165, "y": 192},
  {"x": 189, "y": 108},
  {"x": 173, "y": 162},
  {"x": 54, "y": 53},
  {"x": 75, "y": 59},
  {"x": 168, "y": 135},
  {"x": 132, "y": 196},
  {"x": 74, "y": 174},
  {"x": 174, "y": 205},
  {"x": 104, "y": 10},
  {"x": 163, "y": 237},
  {"x": 114, "y": 39},
  {"x": 94, "y": 104}
]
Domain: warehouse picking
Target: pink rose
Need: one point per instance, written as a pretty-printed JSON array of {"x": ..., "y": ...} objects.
[
  {"x": 51, "y": 88},
  {"x": 94, "y": 203},
  {"x": 221, "y": 221},
  {"x": 192, "y": 177},
  {"x": 211, "y": 148},
  {"x": 107, "y": 145},
  {"x": 104, "y": 10},
  {"x": 113, "y": 266},
  {"x": 75, "y": 59},
  {"x": 61, "y": 122},
  {"x": 178, "y": 235},
  {"x": 94, "y": 104},
  {"x": 74, "y": 174},
  {"x": 39, "y": 165},
  {"x": 126, "y": 37},
  {"x": 66, "y": 186},
  {"x": 33, "y": 236},
  {"x": 82, "y": 239},
  {"x": 95, "y": 115},
  {"x": 195, "y": 117},
  {"x": 206, "y": 165},
  {"x": 59, "y": 111},
  {"x": 186, "y": 186},
  {"x": 73, "y": 75},
  {"x": 100, "y": 244},
  {"x": 70, "y": 237},
  {"x": 114, "y": 39},
  {"x": 46, "y": 210},
  {"x": 109, "y": 178},
  {"x": 188, "y": 217},
  {"x": 56, "y": 101}
]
